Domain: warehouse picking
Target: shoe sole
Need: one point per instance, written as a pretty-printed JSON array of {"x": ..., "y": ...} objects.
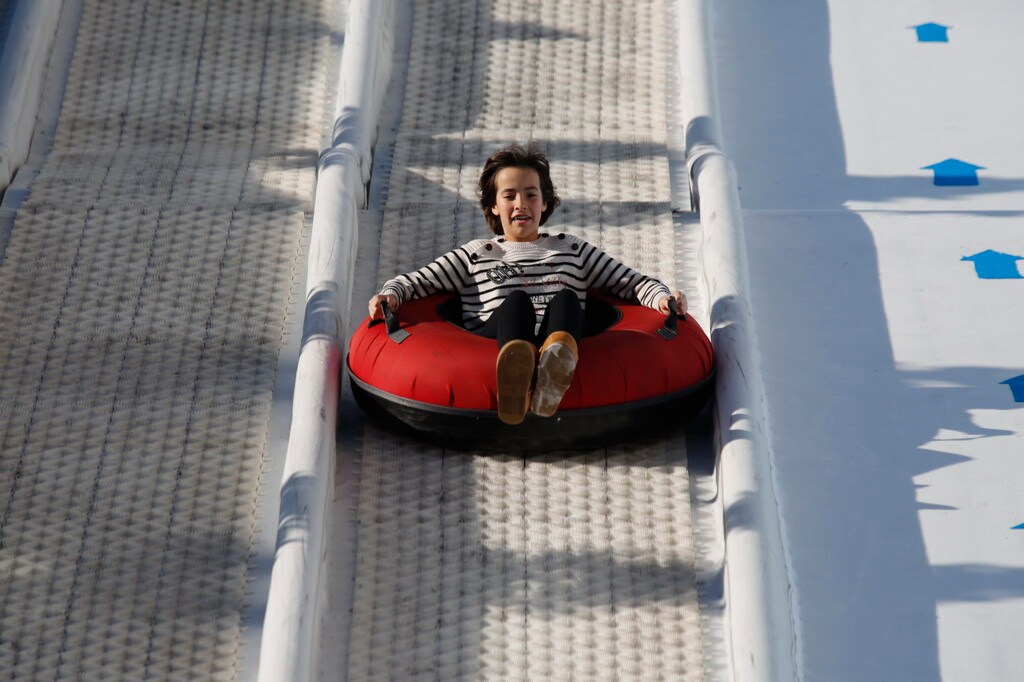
[
  {"x": 554, "y": 374},
  {"x": 515, "y": 374}
]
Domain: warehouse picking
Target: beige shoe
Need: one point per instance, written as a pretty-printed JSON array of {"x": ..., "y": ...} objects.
[
  {"x": 516, "y": 362},
  {"x": 558, "y": 357}
]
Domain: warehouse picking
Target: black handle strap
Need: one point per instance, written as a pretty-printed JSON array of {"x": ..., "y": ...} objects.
[
  {"x": 395, "y": 331},
  {"x": 671, "y": 328}
]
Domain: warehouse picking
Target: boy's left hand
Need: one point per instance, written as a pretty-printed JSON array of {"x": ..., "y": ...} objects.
[{"x": 681, "y": 304}]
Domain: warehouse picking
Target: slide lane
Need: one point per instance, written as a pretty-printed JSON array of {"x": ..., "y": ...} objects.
[
  {"x": 150, "y": 247},
  {"x": 877, "y": 147},
  {"x": 494, "y": 565}
]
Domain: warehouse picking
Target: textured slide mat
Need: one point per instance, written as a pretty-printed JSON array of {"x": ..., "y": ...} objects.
[
  {"x": 495, "y": 567},
  {"x": 144, "y": 297}
]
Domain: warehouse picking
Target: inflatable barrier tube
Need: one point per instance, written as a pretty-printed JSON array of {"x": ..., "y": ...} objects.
[{"x": 639, "y": 371}]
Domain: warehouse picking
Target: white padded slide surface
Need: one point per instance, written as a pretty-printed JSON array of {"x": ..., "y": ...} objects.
[{"x": 144, "y": 297}]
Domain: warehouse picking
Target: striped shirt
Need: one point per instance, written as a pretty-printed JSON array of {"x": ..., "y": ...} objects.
[{"x": 483, "y": 271}]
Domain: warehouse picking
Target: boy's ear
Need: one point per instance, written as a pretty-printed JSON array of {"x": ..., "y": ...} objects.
[{"x": 494, "y": 209}]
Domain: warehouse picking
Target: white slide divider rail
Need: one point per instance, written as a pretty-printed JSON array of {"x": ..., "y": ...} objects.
[
  {"x": 26, "y": 52},
  {"x": 290, "y": 624},
  {"x": 762, "y": 632}
]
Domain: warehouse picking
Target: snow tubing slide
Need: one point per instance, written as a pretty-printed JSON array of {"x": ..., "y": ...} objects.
[{"x": 639, "y": 371}]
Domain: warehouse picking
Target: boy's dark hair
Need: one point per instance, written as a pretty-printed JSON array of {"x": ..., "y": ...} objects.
[{"x": 515, "y": 156}]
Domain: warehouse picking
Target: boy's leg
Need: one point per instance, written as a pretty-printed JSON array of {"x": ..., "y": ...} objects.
[
  {"x": 562, "y": 328},
  {"x": 563, "y": 314},
  {"x": 512, "y": 324},
  {"x": 514, "y": 319}
]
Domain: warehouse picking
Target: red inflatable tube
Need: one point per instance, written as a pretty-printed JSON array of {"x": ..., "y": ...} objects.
[{"x": 437, "y": 379}]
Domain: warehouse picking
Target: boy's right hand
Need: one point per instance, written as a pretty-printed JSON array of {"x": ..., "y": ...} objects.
[{"x": 376, "y": 312}]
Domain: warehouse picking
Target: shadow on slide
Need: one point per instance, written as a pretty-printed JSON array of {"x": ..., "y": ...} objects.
[{"x": 848, "y": 426}]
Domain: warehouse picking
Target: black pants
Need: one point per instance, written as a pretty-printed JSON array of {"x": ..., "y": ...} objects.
[{"x": 515, "y": 318}]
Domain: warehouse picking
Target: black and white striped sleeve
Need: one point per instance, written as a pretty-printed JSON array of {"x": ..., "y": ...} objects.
[
  {"x": 449, "y": 272},
  {"x": 604, "y": 272}
]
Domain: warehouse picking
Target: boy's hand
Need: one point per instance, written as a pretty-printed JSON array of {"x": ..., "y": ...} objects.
[
  {"x": 681, "y": 304},
  {"x": 376, "y": 312}
]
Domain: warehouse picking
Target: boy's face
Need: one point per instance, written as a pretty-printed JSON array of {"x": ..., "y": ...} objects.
[{"x": 519, "y": 203}]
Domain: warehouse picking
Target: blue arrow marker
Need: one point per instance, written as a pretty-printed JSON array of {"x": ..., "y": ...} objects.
[
  {"x": 932, "y": 33},
  {"x": 1016, "y": 385},
  {"x": 994, "y": 265},
  {"x": 954, "y": 172},
  {"x": 1020, "y": 527}
]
